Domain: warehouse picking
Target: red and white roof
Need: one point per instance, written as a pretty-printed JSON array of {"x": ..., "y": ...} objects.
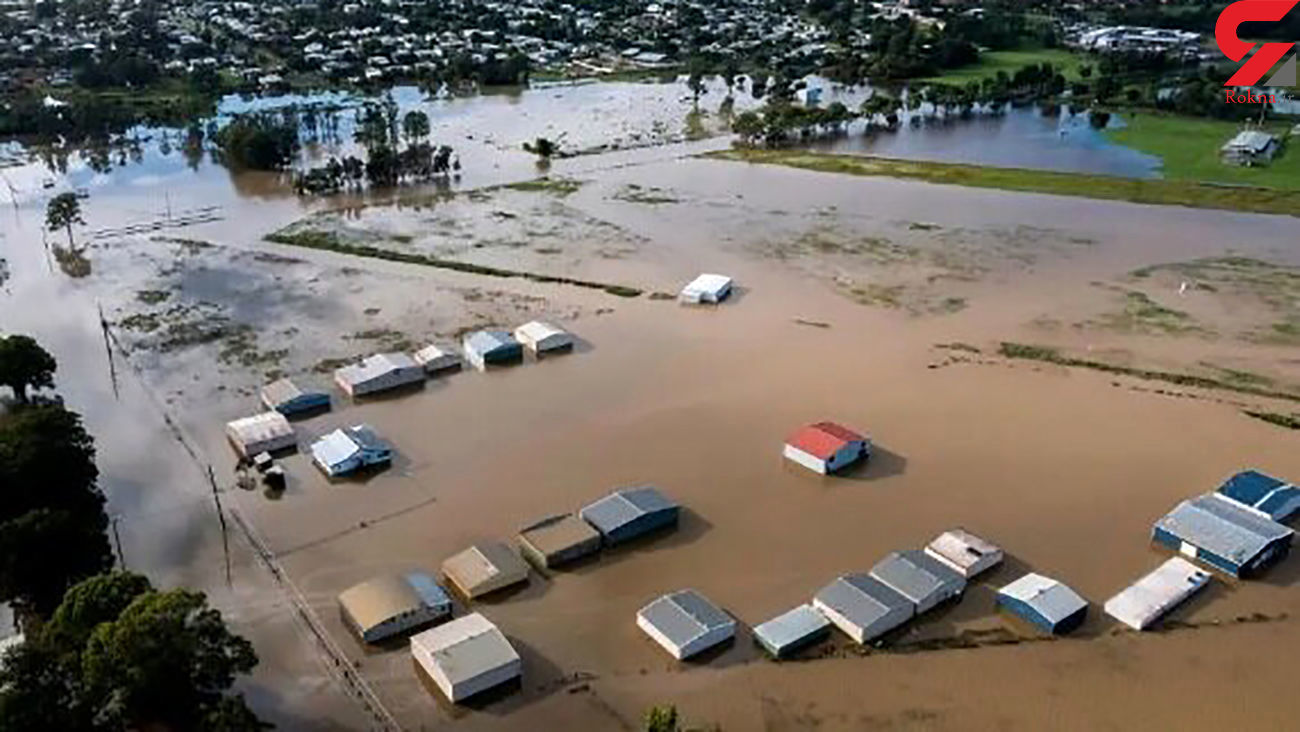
[{"x": 824, "y": 439}]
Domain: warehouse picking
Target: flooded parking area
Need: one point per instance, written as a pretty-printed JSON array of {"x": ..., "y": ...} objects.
[{"x": 876, "y": 303}]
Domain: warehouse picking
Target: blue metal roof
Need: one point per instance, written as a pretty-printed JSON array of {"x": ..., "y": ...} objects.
[
  {"x": 430, "y": 592},
  {"x": 484, "y": 342},
  {"x": 1249, "y": 487}
]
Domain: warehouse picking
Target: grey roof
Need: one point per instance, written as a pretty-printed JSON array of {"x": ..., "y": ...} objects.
[
  {"x": 1048, "y": 597},
  {"x": 1253, "y": 140},
  {"x": 916, "y": 574},
  {"x": 366, "y": 437},
  {"x": 685, "y": 615},
  {"x": 791, "y": 627},
  {"x": 486, "y": 341},
  {"x": 1219, "y": 526},
  {"x": 861, "y": 599},
  {"x": 281, "y": 391},
  {"x": 625, "y": 505}
]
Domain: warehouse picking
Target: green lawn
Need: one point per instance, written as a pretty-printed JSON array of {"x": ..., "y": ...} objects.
[
  {"x": 991, "y": 62},
  {"x": 1189, "y": 147}
]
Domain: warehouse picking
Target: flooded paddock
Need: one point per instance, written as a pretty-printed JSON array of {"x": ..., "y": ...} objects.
[{"x": 876, "y": 303}]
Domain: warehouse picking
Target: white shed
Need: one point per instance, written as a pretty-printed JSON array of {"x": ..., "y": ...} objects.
[
  {"x": 435, "y": 358},
  {"x": 466, "y": 656},
  {"x": 707, "y": 288},
  {"x": 965, "y": 552},
  {"x": 685, "y": 623},
  {"x": 265, "y": 432},
  {"x": 377, "y": 373},
  {"x": 1148, "y": 599},
  {"x": 542, "y": 338}
]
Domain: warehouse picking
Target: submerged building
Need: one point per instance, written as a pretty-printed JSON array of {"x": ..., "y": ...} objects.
[
  {"x": 826, "y": 447},
  {"x": 437, "y": 359},
  {"x": 685, "y": 623},
  {"x": 863, "y": 607},
  {"x": 288, "y": 398},
  {"x": 920, "y": 578},
  {"x": 543, "y": 338},
  {"x": 630, "y": 513},
  {"x": 265, "y": 432},
  {"x": 466, "y": 656},
  {"x": 1223, "y": 534},
  {"x": 486, "y": 348},
  {"x": 1151, "y": 597},
  {"x": 558, "y": 540},
  {"x": 485, "y": 568},
  {"x": 390, "y": 605},
  {"x": 378, "y": 373},
  {"x": 1274, "y": 498},
  {"x": 707, "y": 288},
  {"x": 1045, "y": 602},
  {"x": 792, "y": 631},
  {"x": 350, "y": 449},
  {"x": 965, "y": 552}
]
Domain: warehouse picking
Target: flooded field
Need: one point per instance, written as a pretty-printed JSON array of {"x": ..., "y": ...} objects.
[{"x": 878, "y": 303}]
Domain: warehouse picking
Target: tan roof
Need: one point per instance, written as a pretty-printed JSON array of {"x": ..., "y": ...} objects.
[
  {"x": 558, "y": 534},
  {"x": 371, "y": 603},
  {"x": 485, "y": 567}
]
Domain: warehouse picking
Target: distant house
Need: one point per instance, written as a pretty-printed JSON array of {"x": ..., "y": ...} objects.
[
  {"x": 558, "y": 540},
  {"x": 347, "y": 450},
  {"x": 287, "y": 398},
  {"x": 919, "y": 577},
  {"x": 380, "y": 372},
  {"x": 1044, "y": 602},
  {"x": 490, "y": 348},
  {"x": 863, "y": 607},
  {"x": 685, "y": 623},
  {"x": 466, "y": 657},
  {"x": 1148, "y": 599},
  {"x": 1272, "y": 497},
  {"x": 265, "y": 432},
  {"x": 826, "y": 447},
  {"x": 792, "y": 630},
  {"x": 437, "y": 359},
  {"x": 1223, "y": 534},
  {"x": 1250, "y": 147},
  {"x": 390, "y": 605},
  {"x": 484, "y": 568},
  {"x": 965, "y": 552},
  {"x": 707, "y": 288},
  {"x": 542, "y": 338},
  {"x": 630, "y": 513}
]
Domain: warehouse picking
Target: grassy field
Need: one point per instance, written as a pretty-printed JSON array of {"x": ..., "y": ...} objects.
[
  {"x": 1138, "y": 190},
  {"x": 1190, "y": 146},
  {"x": 991, "y": 62}
]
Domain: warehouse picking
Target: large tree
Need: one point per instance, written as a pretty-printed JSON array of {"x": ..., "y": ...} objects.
[
  {"x": 62, "y": 212},
  {"x": 25, "y": 365},
  {"x": 118, "y": 655}
]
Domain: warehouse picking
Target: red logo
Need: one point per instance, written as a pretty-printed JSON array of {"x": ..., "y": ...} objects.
[{"x": 1225, "y": 34}]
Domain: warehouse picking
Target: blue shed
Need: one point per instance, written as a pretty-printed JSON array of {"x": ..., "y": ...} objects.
[
  {"x": 287, "y": 398},
  {"x": 491, "y": 347},
  {"x": 630, "y": 512},
  {"x": 1223, "y": 534},
  {"x": 1264, "y": 493},
  {"x": 1044, "y": 602}
]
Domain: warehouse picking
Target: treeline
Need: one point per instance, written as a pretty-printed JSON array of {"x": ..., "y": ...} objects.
[{"x": 103, "y": 651}]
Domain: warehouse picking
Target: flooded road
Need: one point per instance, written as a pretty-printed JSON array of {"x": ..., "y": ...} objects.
[{"x": 1065, "y": 469}]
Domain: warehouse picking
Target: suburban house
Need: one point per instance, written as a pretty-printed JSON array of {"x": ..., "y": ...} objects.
[
  {"x": 349, "y": 449},
  {"x": 826, "y": 447},
  {"x": 380, "y": 372},
  {"x": 1250, "y": 147},
  {"x": 1223, "y": 534}
]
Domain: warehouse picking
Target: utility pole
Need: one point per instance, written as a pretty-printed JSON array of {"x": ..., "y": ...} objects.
[
  {"x": 108, "y": 346},
  {"x": 117, "y": 541},
  {"x": 221, "y": 517}
]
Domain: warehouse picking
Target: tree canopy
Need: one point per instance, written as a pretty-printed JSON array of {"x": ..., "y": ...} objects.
[
  {"x": 25, "y": 365},
  {"x": 62, "y": 212}
]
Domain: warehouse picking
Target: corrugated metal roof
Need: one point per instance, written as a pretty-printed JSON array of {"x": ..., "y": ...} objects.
[
  {"x": 559, "y": 533},
  {"x": 373, "y": 367},
  {"x": 1263, "y": 493},
  {"x": 964, "y": 549},
  {"x": 862, "y": 599},
  {"x": 792, "y": 626},
  {"x": 466, "y": 647},
  {"x": 334, "y": 448},
  {"x": 1253, "y": 140},
  {"x": 280, "y": 392},
  {"x": 1157, "y": 593},
  {"x": 684, "y": 616},
  {"x": 484, "y": 342},
  {"x": 917, "y": 575},
  {"x": 366, "y": 437},
  {"x": 483, "y": 564},
  {"x": 1220, "y": 526},
  {"x": 823, "y": 439},
  {"x": 624, "y": 506},
  {"x": 537, "y": 331},
  {"x": 711, "y": 283},
  {"x": 260, "y": 428},
  {"x": 1048, "y": 597},
  {"x": 382, "y": 598}
]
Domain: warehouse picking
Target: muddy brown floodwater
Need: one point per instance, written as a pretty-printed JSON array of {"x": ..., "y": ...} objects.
[{"x": 1066, "y": 469}]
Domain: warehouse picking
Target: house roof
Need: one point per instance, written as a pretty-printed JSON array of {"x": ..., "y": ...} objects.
[
  {"x": 483, "y": 564},
  {"x": 963, "y": 549},
  {"x": 373, "y": 367},
  {"x": 624, "y": 506},
  {"x": 1048, "y": 597},
  {"x": 434, "y": 352},
  {"x": 487, "y": 341},
  {"x": 916, "y": 574},
  {"x": 1146, "y": 600},
  {"x": 684, "y": 616},
  {"x": 466, "y": 647},
  {"x": 334, "y": 448},
  {"x": 376, "y": 600},
  {"x": 260, "y": 428},
  {"x": 861, "y": 598},
  {"x": 281, "y": 391},
  {"x": 1220, "y": 526},
  {"x": 791, "y": 626},
  {"x": 1262, "y": 493},
  {"x": 537, "y": 330},
  {"x": 366, "y": 438},
  {"x": 558, "y": 533},
  {"x": 708, "y": 283},
  {"x": 823, "y": 439},
  {"x": 1254, "y": 140}
]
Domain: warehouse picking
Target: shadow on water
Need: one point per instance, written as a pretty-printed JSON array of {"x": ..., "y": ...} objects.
[
  {"x": 540, "y": 678},
  {"x": 690, "y": 527},
  {"x": 883, "y": 463}
]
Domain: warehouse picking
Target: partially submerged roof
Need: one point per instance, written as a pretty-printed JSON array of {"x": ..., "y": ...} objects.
[
  {"x": 537, "y": 330},
  {"x": 485, "y": 567},
  {"x": 365, "y": 437},
  {"x": 1222, "y": 527},
  {"x": 862, "y": 599},
  {"x": 824, "y": 439},
  {"x": 1264, "y": 493},
  {"x": 624, "y": 506},
  {"x": 334, "y": 448},
  {"x": 466, "y": 648},
  {"x": 284, "y": 391},
  {"x": 558, "y": 533},
  {"x": 708, "y": 283},
  {"x": 917, "y": 575},
  {"x": 486, "y": 341},
  {"x": 1048, "y": 597},
  {"x": 382, "y": 598},
  {"x": 964, "y": 551},
  {"x": 684, "y": 616},
  {"x": 373, "y": 367},
  {"x": 259, "y": 428},
  {"x": 791, "y": 628},
  {"x": 1157, "y": 593},
  {"x": 435, "y": 354}
]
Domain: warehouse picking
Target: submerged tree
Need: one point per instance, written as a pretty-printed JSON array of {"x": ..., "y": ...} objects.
[{"x": 62, "y": 212}]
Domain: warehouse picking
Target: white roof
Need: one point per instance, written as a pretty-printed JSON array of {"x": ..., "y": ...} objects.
[
  {"x": 1157, "y": 593},
  {"x": 260, "y": 428},
  {"x": 373, "y": 367},
  {"x": 466, "y": 647},
  {"x": 334, "y": 448},
  {"x": 708, "y": 283},
  {"x": 537, "y": 330},
  {"x": 433, "y": 352},
  {"x": 964, "y": 551},
  {"x": 1047, "y": 596}
]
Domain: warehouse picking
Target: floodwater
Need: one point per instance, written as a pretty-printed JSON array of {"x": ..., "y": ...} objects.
[{"x": 1064, "y": 469}]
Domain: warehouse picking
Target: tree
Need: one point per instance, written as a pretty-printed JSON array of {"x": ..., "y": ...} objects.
[
  {"x": 25, "y": 365},
  {"x": 118, "y": 655},
  {"x": 542, "y": 147},
  {"x": 415, "y": 125},
  {"x": 662, "y": 719},
  {"x": 62, "y": 212}
]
